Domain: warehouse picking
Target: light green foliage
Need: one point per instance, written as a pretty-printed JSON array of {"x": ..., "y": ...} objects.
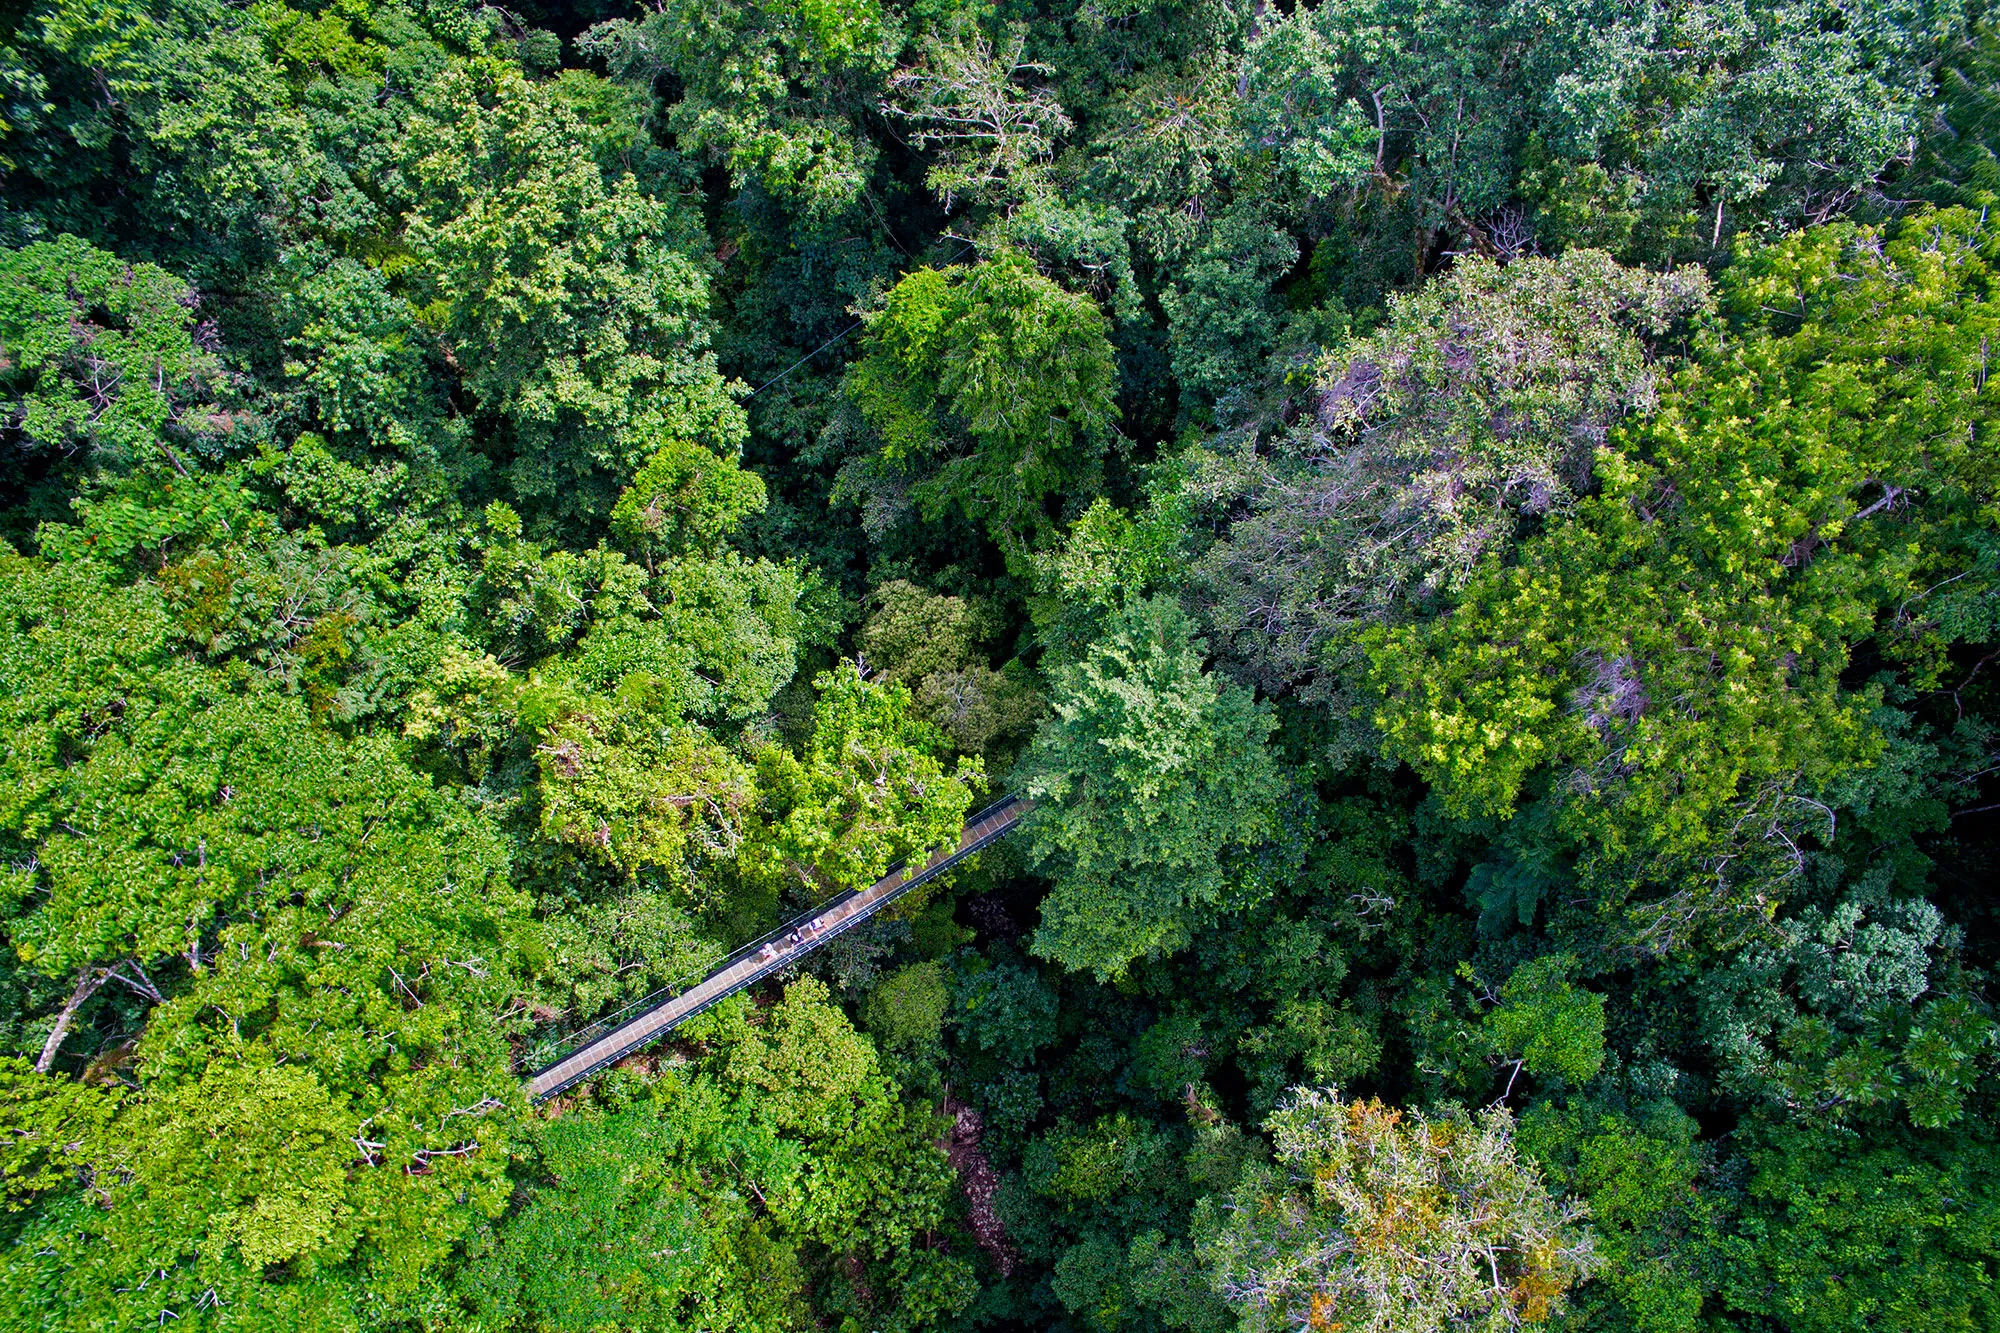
[
  {"x": 1113, "y": 1156},
  {"x": 690, "y": 1205},
  {"x": 906, "y": 1011},
  {"x": 625, "y": 775},
  {"x": 915, "y": 633},
  {"x": 618, "y": 949},
  {"x": 276, "y": 1195},
  {"x": 199, "y": 1190},
  {"x": 1153, "y": 781},
  {"x": 189, "y": 762},
  {"x": 639, "y": 792},
  {"x": 770, "y": 90},
  {"x": 1665, "y": 663},
  {"x": 1642, "y": 1177},
  {"x": 622, "y": 1225},
  {"x": 1548, "y": 1026},
  {"x": 717, "y": 637},
  {"x": 333, "y": 935},
  {"x": 990, "y": 389},
  {"x": 1376, "y": 1219},
  {"x": 869, "y": 788},
  {"x": 628, "y": 660},
  {"x": 49, "y": 1128},
  {"x": 713, "y": 636},
  {"x": 878, "y": 1177},
  {"x": 684, "y": 499},
  {"x": 359, "y": 377},
  {"x": 557, "y": 292}
]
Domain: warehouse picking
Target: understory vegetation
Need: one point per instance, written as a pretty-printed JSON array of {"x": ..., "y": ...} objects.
[{"x": 1476, "y": 523}]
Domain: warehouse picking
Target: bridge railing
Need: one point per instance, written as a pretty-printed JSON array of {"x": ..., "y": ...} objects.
[{"x": 545, "y": 1054}]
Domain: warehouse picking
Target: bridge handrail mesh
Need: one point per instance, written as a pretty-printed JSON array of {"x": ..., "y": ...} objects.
[{"x": 546, "y": 1056}]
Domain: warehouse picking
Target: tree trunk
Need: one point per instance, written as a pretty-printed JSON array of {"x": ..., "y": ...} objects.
[{"x": 87, "y": 983}]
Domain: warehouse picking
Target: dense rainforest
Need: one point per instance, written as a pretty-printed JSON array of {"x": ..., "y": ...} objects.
[{"x": 1475, "y": 522}]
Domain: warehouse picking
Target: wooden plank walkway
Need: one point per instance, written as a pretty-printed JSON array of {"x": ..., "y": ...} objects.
[{"x": 774, "y": 952}]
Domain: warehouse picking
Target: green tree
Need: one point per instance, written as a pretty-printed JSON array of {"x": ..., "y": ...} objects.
[
  {"x": 1545, "y": 1025},
  {"x": 990, "y": 390},
  {"x": 1222, "y": 319},
  {"x": 1890, "y": 1233},
  {"x": 1693, "y": 120},
  {"x": 1662, "y": 668},
  {"x": 772, "y": 91},
  {"x": 927, "y": 641},
  {"x": 639, "y": 791},
  {"x": 557, "y": 294},
  {"x": 870, "y": 788},
  {"x": 1765, "y": 110},
  {"x": 103, "y": 377},
  {"x": 183, "y": 97},
  {"x": 685, "y": 499},
  {"x": 320, "y": 944},
  {"x": 1841, "y": 1011},
  {"x": 1477, "y": 407},
  {"x": 698, "y": 1199},
  {"x": 102, "y": 358},
  {"x": 1642, "y": 1175},
  {"x": 50, "y": 1126},
  {"x": 966, "y": 96},
  {"x": 906, "y": 1011},
  {"x": 1957, "y": 162},
  {"x": 1154, "y": 786}
]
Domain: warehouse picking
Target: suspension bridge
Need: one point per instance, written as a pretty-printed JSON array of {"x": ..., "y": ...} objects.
[{"x": 645, "y": 1021}]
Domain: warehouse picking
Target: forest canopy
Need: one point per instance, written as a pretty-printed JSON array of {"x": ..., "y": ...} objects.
[{"x": 1475, "y": 524}]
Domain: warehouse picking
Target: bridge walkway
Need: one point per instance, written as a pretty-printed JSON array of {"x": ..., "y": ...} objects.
[{"x": 612, "y": 1039}]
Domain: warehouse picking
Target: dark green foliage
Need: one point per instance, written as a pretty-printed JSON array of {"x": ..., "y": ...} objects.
[{"x": 1835, "y": 1234}]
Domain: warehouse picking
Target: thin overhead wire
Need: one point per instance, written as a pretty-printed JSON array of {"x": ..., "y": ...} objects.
[
  {"x": 807, "y": 357},
  {"x": 835, "y": 338}
]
